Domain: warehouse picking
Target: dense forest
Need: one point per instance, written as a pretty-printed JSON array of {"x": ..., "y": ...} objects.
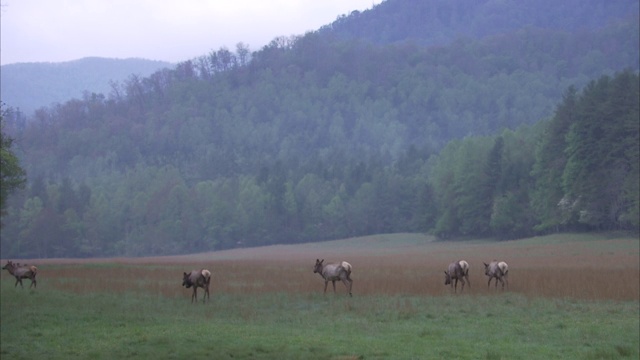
[
  {"x": 322, "y": 136},
  {"x": 440, "y": 22}
]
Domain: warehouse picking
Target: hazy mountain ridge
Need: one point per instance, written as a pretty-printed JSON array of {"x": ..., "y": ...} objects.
[
  {"x": 28, "y": 86},
  {"x": 440, "y": 22},
  {"x": 315, "y": 138}
]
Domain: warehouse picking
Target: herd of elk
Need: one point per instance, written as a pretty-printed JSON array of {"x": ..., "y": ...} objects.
[
  {"x": 459, "y": 270},
  {"x": 22, "y": 272},
  {"x": 456, "y": 271}
]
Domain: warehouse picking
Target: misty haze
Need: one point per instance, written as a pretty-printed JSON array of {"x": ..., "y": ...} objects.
[{"x": 396, "y": 140}]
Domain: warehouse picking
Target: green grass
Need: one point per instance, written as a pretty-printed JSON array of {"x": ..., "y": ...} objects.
[
  {"x": 47, "y": 323},
  {"x": 267, "y": 304}
]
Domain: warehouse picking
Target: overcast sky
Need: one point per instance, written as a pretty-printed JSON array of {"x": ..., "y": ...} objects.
[{"x": 177, "y": 30}]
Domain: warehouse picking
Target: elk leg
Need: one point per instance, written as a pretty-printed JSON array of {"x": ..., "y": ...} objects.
[
  {"x": 348, "y": 283},
  {"x": 334, "y": 286},
  {"x": 326, "y": 282}
]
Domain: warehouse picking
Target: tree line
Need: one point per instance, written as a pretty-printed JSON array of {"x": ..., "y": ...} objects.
[{"x": 578, "y": 171}]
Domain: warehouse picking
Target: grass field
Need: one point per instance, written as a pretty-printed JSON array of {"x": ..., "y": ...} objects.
[{"x": 569, "y": 297}]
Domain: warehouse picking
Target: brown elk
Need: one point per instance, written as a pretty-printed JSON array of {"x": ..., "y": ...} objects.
[
  {"x": 196, "y": 279},
  {"x": 22, "y": 272},
  {"x": 333, "y": 272},
  {"x": 458, "y": 270},
  {"x": 497, "y": 270}
]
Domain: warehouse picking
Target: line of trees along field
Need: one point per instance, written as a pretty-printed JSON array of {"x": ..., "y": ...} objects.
[{"x": 315, "y": 138}]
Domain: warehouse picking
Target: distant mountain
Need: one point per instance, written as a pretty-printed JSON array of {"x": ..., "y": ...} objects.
[
  {"x": 440, "y": 22},
  {"x": 28, "y": 86}
]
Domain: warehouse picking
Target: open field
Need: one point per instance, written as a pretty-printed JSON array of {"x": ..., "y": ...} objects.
[{"x": 569, "y": 296}]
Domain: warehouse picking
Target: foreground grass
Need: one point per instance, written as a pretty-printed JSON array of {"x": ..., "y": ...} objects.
[
  {"x": 570, "y": 297},
  {"x": 54, "y": 324}
]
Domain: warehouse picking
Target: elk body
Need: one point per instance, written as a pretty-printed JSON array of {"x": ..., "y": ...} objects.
[
  {"x": 22, "y": 272},
  {"x": 333, "y": 272},
  {"x": 458, "y": 270},
  {"x": 197, "y": 278},
  {"x": 465, "y": 270},
  {"x": 497, "y": 270}
]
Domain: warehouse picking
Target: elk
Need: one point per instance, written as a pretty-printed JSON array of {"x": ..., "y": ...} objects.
[
  {"x": 197, "y": 278},
  {"x": 22, "y": 272},
  {"x": 497, "y": 270},
  {"x": 333, "y": 272},
  {"x": 457, "y": 271}
]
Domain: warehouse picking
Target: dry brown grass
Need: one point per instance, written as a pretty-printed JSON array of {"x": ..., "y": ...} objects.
[{"x": 601, "y": 269}]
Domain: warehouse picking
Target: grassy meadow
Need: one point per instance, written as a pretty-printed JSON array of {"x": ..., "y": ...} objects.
[{"x": 569, "y": 297}]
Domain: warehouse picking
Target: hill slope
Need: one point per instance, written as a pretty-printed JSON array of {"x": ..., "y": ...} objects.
[{"x": 441, "y": 22}]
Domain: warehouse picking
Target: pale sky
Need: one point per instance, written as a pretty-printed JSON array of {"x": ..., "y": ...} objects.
[{"x": 177, "y": 30}]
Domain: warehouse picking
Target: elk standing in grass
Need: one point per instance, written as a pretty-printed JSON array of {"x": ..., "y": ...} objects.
[
  {"x": 458, "y": 270},
  {"x": 198, "y": 278},
  {"x": 22, "y": 272},
  {"x": 497, "y": 270},
  {"x": 333, "y": 272}
]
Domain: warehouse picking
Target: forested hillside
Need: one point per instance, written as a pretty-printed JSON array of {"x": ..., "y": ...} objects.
[
  {"x": 29, "y": 86},
  {"x": 313, "y": 137},
  {"x": 578, "y": 170},
  {"x": 440, "y": 22}
]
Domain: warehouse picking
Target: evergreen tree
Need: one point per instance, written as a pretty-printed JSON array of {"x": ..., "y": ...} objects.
[
  {"x": 548, "y": 195},
  {"x": 601, "y": 152}
]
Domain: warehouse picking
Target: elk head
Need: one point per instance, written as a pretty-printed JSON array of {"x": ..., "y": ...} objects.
[
  {"x": 186, "y": 282},
  {"x": 318, "y": 267}
]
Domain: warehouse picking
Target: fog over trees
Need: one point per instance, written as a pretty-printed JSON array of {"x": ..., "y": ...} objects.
[{"x": 376, "y": 123}]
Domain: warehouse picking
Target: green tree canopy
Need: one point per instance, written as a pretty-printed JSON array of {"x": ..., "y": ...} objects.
[{"x": 12, "y": 176}]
